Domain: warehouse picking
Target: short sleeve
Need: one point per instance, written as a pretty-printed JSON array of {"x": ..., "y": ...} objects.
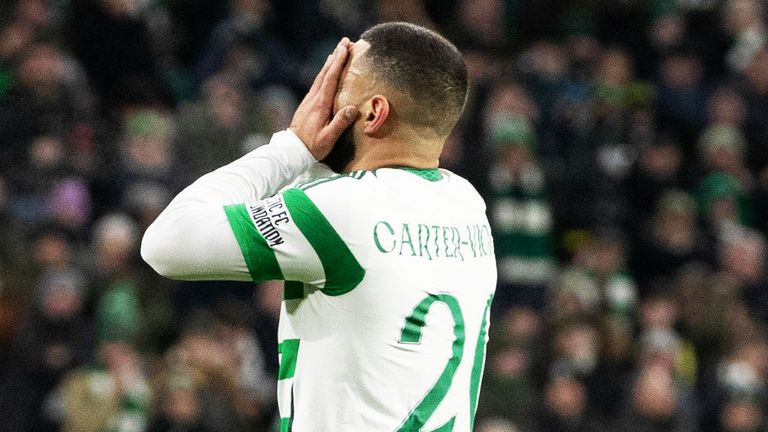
[{"x": 287, "y": 237}]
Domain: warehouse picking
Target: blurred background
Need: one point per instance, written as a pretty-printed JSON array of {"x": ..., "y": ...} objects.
[{"x": 621, "y": 145}]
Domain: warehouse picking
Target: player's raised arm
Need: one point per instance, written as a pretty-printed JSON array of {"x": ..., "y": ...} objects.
[{"x": 193, "y": 237}]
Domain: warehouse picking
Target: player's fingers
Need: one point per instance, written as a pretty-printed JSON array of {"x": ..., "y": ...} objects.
[
  {"x": 320, "y": 75},
  {"x": 331, "y": 78},
  {"x": 343, "y": 118},
  {"x": 344, "y": 43}
]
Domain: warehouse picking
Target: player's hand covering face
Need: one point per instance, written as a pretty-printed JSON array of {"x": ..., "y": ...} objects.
[{"x": 314, "y": 121}]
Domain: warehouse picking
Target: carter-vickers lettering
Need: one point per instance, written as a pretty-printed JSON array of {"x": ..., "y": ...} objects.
[{"x": 432, "y": 241}]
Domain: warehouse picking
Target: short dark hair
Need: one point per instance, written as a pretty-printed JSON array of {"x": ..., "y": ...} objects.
[{"x": 425, "y": 66}]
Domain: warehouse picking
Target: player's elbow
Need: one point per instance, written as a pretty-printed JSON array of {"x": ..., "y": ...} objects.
[{"x": 161, "y": 251}]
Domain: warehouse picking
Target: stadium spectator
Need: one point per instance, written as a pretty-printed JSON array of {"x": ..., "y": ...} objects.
[
  {"x": 744, "y": 262},
  {"x": 671, "y": 239},
  {"x": 508, "y": 383},
  {"x": 520, "y": 215},
  {"x": 497, "y": 425},
  {"x": 112, "y": 394},
  {"x": 213, "y": 364},
  {"x": 742, "y": 414},
  {"x": 54, "y": 339},
  {"x": 565, "y": 406},
  {"x": 655, "y": 403}
]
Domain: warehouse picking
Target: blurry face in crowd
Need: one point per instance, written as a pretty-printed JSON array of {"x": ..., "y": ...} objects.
[
  {"x": 52, "y": 250},
  {"x": 34, "y": 12},
  {"x": 745, "y": 259},
  {"x": 510, "y": 100},
  {"x": 119, "y": 356},
  {"x": 578, "y": 344},
  {"x": 726, "y": 107},
  {"x": 484, "y": 19},
  {"x": 404, "y": 10},
  {"x": 182, "y": 405},
  {"x": 547, "y": 60},
  {"x": 42, "y": 69},
  {"x": 615, "y": 68},
  {"x": 46, "y": 152},
  {"x": 225, "y": 102},
  {"x": 115, "y": 241},
  {"x": 13, "y": 39},
  {"x": 681, "y": 72},
  {"x": 743, "y": 15},
  {"x": 510, "y": 363},
  {"x": 654, "y": 394},
  {"x": 583, "y": 50},
  {"x": 675, "y": 229},
  {"x": 755, "y": 354},
  {"x": 61, "y": 303},
  {"x": 566, "y": 397},
  {"x": 151, "y": 151},
  {"x": 251, "y": 8},
  {"x": 658, "y": 313},
  {"x": 209, "y": 350},
  {"x": 515, "y": 157},
  {"x": 602, "y": 256},
  {"x": 741, "y": 416},
  {"x": 668, "y": 31},
  {"x": 725, "y": 159},
  {"x": 521, "y": 324},
  {"x": 757, "y": 72},
  {"x": 496, "y": 426},
  {"x": 121, "y": 8}
]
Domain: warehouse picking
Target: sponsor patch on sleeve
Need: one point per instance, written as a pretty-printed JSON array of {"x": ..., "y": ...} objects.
[{"x": 267, "y": 216}]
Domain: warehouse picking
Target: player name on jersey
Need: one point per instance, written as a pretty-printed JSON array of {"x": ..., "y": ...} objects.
[{"x": 431, "y": 241}]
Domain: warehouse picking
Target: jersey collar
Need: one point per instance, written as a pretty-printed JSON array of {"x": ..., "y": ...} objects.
[{"x": 431, "y": 174}]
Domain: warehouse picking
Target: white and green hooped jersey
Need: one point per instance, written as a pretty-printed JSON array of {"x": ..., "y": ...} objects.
[{"x": 389, "y": 280}]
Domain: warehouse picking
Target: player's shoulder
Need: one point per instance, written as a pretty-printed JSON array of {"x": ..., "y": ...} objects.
[
  {"x": 464, "y": 186},
  {"x": 455, "y": 179}
]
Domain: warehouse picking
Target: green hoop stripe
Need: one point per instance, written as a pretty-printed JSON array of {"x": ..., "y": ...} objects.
[
  {"x": 259, "y": 257},
  {"x": 286, "y": 424},
  {"x": 342, "y": 271},
  {"x": 477, "y": 366},
  {"x": 289, "y": 353}
]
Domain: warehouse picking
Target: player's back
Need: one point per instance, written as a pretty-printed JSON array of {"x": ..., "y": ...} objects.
[{"x": 390, "y": 336}]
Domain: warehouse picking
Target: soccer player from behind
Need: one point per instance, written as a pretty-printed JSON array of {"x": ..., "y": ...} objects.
[{"x": 389, "y": 265}]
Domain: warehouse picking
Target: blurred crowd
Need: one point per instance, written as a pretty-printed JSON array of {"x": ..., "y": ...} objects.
[{"x": 621, "y": 146}]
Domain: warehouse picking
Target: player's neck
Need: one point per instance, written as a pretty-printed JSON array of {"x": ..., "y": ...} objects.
[
  {"x": 395, "y": 153},
  {"x": 372, "y": 163}
]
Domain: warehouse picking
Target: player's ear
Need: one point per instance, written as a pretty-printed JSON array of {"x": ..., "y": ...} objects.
[{"x": 376, "y": 115}]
